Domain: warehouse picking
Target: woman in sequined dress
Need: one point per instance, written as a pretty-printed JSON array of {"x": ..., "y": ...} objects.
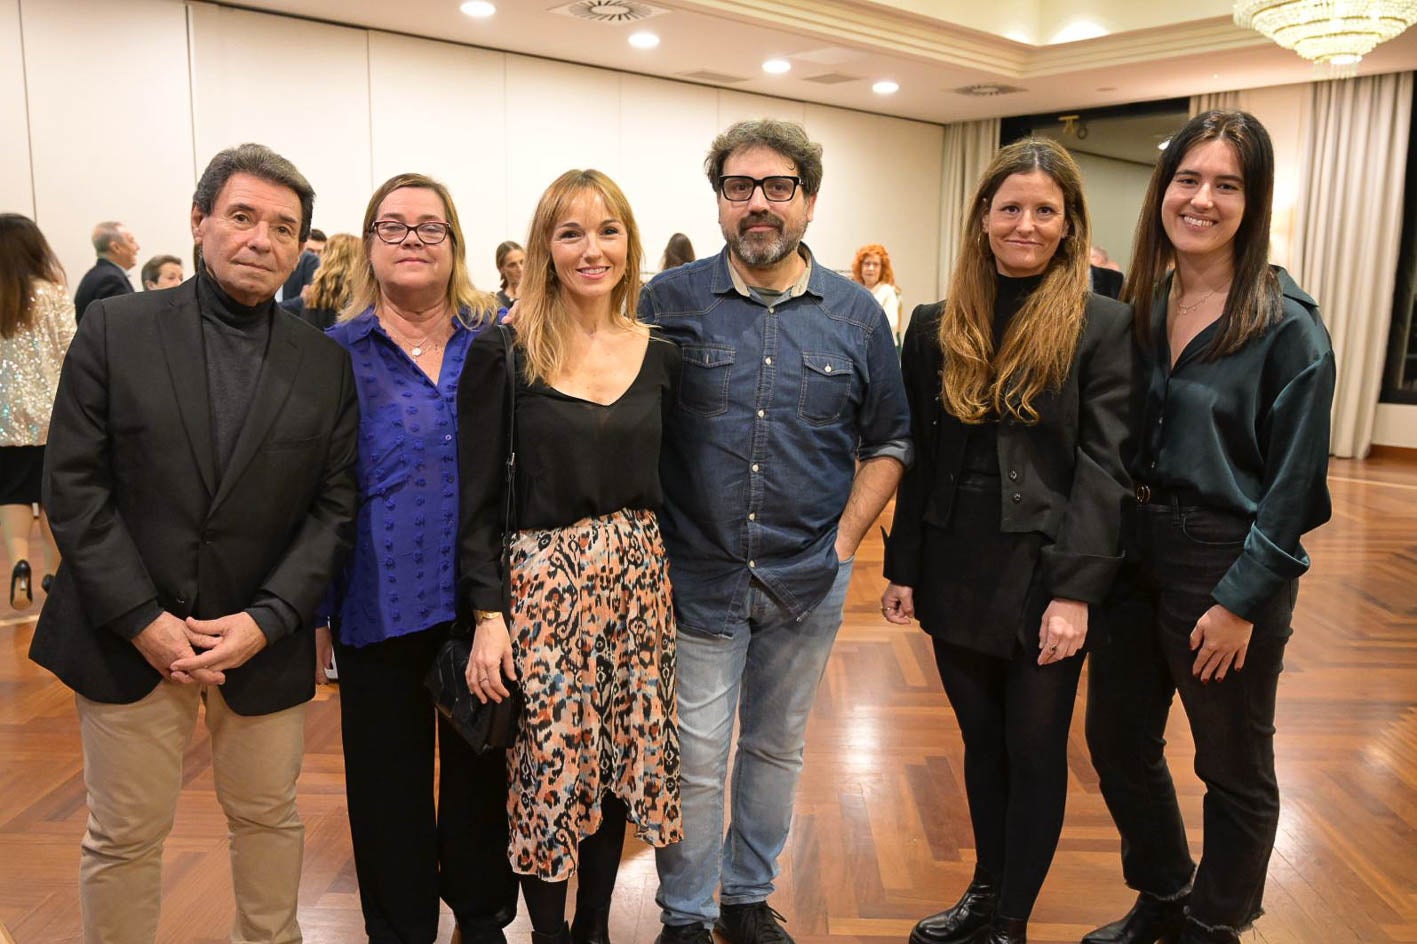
[{"x": 36, "y": 325}]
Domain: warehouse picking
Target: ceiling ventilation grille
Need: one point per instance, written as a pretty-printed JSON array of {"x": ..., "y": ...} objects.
[
  {"x": 608, "y": 11},
  {"x": 715, "y": 78},
  {"x": 986, "y": 89},
  {"x": 832, "y": 78}
]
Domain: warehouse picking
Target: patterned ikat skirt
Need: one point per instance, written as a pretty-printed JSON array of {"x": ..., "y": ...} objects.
[{"x": 593, "y": 635}]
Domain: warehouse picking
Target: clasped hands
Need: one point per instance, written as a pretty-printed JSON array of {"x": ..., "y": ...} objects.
[{"x": 172, "y": 645}]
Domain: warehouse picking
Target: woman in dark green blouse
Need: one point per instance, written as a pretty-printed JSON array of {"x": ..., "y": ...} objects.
[{"x": 1235, "y": 380}]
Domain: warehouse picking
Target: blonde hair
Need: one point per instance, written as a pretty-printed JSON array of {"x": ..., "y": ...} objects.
[
  {"x": 1037, "y": 349},
  {"x": 333, "y": 287},
  {"x": 462, "y": 296},
  {"x": 541, "y": 316}
]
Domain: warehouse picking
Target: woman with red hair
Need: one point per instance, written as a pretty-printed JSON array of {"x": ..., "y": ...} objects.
[{"x": 872, "y": 268}]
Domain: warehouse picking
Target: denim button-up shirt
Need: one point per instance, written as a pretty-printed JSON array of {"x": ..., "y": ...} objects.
[
  {"x": 400, "y": 578},
  {"x": 778, "y": 399}
]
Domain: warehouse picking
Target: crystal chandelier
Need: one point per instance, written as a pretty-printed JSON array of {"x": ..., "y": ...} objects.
[{"x": 1334, "y": 33}]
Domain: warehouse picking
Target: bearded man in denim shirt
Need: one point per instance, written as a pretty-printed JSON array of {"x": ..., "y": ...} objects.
[{"x": 790, "y": 434}]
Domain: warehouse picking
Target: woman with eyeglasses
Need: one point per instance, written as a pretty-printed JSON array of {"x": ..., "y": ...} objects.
[
  {"x": 1236, "y": 383},
  {"x": 413, "y": 316},
  {"x": 1006, "y": 531}
]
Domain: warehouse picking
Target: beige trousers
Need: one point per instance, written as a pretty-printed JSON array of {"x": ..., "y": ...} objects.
[{"x": 133, "y": 772}]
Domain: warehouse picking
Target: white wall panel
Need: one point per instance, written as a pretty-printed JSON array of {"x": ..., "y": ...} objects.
[
  {"x": 559, "y": 117},
  {"x": 301, "y": 88},
  {"x": 16, "y": 188},
  {"x": 880, "y": 184},
  {"x": 440, "y": 109},
  {"x": 740, "y": 106},
  {"x": 110, "y": 126},
  {"x": 666, "y": 128}
]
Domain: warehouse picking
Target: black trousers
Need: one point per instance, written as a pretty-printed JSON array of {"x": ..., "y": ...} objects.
[
  {"x": 1177, "y": 554},
  {"x": 1014, "y": 716},
  {"x": 407, "y": 853}
]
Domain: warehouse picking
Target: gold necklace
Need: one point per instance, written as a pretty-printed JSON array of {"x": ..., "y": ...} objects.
[{"x": 1182, "y": 308}]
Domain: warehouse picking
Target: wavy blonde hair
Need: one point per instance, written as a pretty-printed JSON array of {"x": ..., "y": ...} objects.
[
  {"x": 473, "y": 306},
  {"x": 542, "y": 320},
  {"x": 333, "y": 285},
  {"x": 1037, "y": 349}
]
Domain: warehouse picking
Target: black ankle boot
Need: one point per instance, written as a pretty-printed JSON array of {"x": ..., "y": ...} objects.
[
  {"x": 970, "y": 915},
  {"x": 1150, "y": 920},
  {"x": 1005, "y": 931},
  {"x": 561, "y": 935},
  {"x": 591, "y": 925}
]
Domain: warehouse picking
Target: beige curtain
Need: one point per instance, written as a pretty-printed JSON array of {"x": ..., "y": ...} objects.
[
  {"x": 969, "y": 145},
  {"x": 1228, "y": 101},
  {"x": 1347, "y": 225}
]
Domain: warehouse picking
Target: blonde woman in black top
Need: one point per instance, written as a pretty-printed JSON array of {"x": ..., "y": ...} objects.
[
  {"x": 1006, "y": 529},
  {"x": 1235, "y": 384},
  {"x": 589, "y": 632}
]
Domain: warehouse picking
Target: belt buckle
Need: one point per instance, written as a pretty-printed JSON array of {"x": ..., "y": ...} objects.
[{"x": 1143, "y": 494}]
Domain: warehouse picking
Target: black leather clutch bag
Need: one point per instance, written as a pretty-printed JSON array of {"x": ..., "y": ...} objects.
[{"x": 487, "y": 727}]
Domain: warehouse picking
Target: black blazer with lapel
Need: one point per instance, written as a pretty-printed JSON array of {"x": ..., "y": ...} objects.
[
  {"x": 1062, "y": 476},
  {"x": 139, "y": 511},
  {"x": 105, "y": 280}
]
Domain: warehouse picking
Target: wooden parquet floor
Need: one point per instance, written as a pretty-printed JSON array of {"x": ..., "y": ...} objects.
[{"x": 882, "y": 834}]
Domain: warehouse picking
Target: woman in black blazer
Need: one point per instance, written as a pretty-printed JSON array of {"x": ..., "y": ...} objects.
[{"x": 1006, "y": 529}]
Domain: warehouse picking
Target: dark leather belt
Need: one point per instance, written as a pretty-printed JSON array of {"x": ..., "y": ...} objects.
[{"x": 1162, "y": 495}]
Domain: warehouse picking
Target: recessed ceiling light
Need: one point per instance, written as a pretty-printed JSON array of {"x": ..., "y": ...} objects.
[
  {"x": 886, "y": 87},
  {"x": 644, "y": 40},
  {"x": 480, "y": 9},
  {"x": 777, "y": 66}
]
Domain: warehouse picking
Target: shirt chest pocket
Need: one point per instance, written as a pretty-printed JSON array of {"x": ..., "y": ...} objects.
[
  {"x": 703, "y": 383},
  {"x": 826, "y": 387}
]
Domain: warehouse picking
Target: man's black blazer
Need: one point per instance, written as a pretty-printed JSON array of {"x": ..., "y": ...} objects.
[
  {"x": 140, "y": 512},
  {"x": 105, "y": 280},
  {"x": 1063, "y": 476}
]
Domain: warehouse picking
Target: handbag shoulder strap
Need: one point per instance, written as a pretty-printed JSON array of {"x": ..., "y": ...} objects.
[{"x": 509, "y": 515}]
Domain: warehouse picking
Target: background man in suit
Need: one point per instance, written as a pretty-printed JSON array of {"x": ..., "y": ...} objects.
[
  {"x": 200, "y": 482},
  {"x": 117, "y": 250}
]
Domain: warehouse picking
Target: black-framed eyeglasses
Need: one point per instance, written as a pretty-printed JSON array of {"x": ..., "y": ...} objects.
[
  {"x": 393, "y": 232},
  {"x": 739, "y": 189}
]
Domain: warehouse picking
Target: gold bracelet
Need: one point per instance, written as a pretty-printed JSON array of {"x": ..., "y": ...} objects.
[{"x": 480, "y": 616}]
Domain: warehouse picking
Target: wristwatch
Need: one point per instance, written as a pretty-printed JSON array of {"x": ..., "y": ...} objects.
[{"x": 480, "y": 616}]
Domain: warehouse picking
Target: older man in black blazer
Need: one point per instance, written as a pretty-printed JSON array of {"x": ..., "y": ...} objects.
[
  {"x": 200, "y": 482},
  {"x": 117, "y": 250}
]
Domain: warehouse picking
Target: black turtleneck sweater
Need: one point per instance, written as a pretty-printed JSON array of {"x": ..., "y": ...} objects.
[
  {"x": 234, "y": 339},
  {"x": 981, "y": 450}
]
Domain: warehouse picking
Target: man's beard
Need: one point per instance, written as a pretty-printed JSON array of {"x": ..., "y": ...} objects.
[{"x": 759, "y": 250}]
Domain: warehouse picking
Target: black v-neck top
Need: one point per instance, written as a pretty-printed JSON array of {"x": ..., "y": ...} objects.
[{"x": 575, "y": 458}]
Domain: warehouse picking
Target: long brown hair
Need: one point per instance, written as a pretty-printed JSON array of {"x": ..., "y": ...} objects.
[
  {"x": 1254, "y": 302},
  {"x": 541, "y": 316},
  {"x": 25, "y": 258},
  {"x": 462, "y": 295},
  {"x": 333, "y": 285},
  {"x": 1037, "y": 350}
]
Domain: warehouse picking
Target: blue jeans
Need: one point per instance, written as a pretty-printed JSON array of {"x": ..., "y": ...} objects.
[{"x": 767, "y": 671}]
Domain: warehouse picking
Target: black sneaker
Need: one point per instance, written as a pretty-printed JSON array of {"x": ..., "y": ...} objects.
[
  {"x": 684, "y": 934},
  {"x": 753, "y": 923}
]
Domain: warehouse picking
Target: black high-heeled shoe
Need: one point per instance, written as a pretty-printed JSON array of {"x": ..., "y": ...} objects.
[{"x": 20, "y": 583}]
